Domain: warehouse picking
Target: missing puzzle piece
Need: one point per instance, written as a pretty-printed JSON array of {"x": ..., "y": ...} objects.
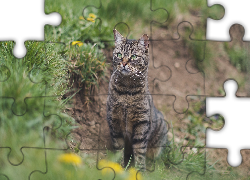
[
  {"x": 235, "y": 11},
  {"x": 235, "y": 110},
  {"x": 22, "y": 24}
]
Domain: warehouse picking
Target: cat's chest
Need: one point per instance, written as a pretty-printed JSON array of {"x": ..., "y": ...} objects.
[
  {"x": 128, "y": 101},
  {"x": 124, "y": 108}
]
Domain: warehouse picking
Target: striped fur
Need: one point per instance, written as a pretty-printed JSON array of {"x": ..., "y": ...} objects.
[{"x": 135, "y": 124}]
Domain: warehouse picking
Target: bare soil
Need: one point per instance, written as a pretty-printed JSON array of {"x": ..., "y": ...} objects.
[{"x": 168, "y": 59}]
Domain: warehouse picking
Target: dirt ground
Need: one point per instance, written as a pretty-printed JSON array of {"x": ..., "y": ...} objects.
[{"x": 168, "y": 62}]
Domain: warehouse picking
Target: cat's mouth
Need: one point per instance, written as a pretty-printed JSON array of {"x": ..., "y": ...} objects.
[{"x": 125, "y": 71}]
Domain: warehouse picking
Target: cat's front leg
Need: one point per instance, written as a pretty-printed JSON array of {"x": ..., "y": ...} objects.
[
  {"x": 140, "y": 142},
  {"x": 114, "y": 127},
  {"x": 116, "y": 135},
  {"x": 118, "y": 143}
]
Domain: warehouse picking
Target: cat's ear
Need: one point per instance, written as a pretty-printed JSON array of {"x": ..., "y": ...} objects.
[
  {"x": 144, "y": 40},
  {"x": 118, "y": 37}
]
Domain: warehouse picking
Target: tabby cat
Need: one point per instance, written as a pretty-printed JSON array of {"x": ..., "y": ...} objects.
[{"x": 135, "y": 124}]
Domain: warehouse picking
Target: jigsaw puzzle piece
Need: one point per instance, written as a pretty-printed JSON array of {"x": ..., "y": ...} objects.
[
  {"x": 26, "y": 169},
  {"x": 32, "y": 83},
  {"x": 92, "y": 135},
  {"x": 15, "y": 138},
  {"x": 24, "y": 149},
  {"x": 105, "y": 138},
  {"x": 109, "y": 165},
  {"x": 217, "y": 159},
  {"x": 224, "y": 137},
  {"x": 82, "y": 143},
  {"x": 216, "y": 60},
  {"x": 179, "y": 56},
  {"x": 87, "y": 137},
  {"x": 63, "y": 164},
  {"x": 156, "y": 16},
  {"x": 180, "y": 139},
  {"x": 228, "y": 20},
  {"x": 170, "y": 171},
  {"x": 193, "y": 123},
  {"x": 186, "y": 130},
  {"x": 185, "y": 167},
  {"x": 196, "y": 13},
  {"x": 223, "y": 165},
  {"x": 91, "y": 25},
  {"x": 25, "y": 19},
  {"x": 23, "y": 109},
  {"x": 86, "y": 64}
]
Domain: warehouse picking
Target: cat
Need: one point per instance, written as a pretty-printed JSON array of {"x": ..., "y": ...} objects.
[{"x": 134, "y": 122}]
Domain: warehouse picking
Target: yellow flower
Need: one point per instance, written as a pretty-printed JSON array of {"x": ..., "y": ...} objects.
[
  {"x": 75, "y": 42},
  {"x": 108, "y": 164},
  {"x": 133, "y": 173},
  {"x": 91, "y": 19},
  {"x": 79, "y": 43},
  {"x": 91, "y": 15},
  {"x": 81, "y": 17},
  {"x": 70, "y": 158}
]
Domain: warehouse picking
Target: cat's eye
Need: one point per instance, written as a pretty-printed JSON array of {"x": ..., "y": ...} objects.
[
  {"x": 133, "y": 57},
  {"x": 119, "y": 55}
]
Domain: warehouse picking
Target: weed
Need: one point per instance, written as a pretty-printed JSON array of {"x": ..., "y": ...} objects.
[
  {"x": 184, "y": 159},
  {"x": 125, "y": 169},
  {"x": 88, "y": 62}
]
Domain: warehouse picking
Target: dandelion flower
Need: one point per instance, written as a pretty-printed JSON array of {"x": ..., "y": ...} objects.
[
  {"x": 91, "y": 19},
  {"x": 79, "y": 43},
  {"x": 75, "y": 42},
  {"x": 81, "y": 17},
  {"x": 91, "y": 15},
  {"x": 115, "y": 166},
  {"x": 133, "y": 173},
  {"x": 70, "y": 158}
]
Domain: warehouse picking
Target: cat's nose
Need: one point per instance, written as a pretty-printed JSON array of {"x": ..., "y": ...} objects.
[{"x": 124, "y": 61}]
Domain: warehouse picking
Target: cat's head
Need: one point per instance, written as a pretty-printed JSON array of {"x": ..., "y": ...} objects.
[{"x": 130, "y": 57}]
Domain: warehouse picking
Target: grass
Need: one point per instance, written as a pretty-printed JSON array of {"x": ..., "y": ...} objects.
[
  {"x": 110, "y": 13},
  {"x": 88, "y": 62},
  {"x": 26, "y": 112},
  {"x": 238, "y": 57}
]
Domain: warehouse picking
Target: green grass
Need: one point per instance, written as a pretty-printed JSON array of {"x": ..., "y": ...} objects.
[
  {"x": 238, "y": 57},
  {"x": 134, "y": 13},
  {"x": 88, "y": 62},
  {"x": 130, "y": 12},
  {"x": 24, "y": 112}
]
